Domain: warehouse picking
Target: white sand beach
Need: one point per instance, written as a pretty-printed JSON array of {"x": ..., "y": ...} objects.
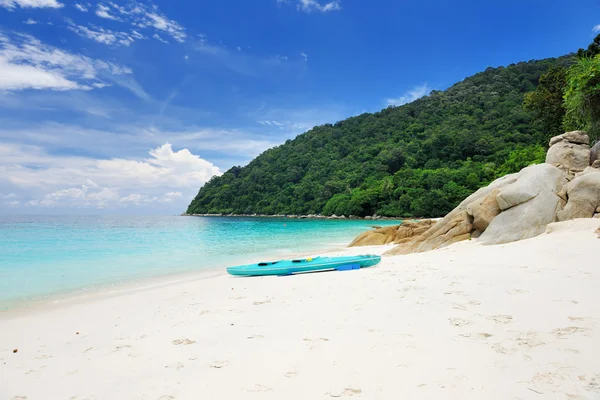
[{"x": 515, "y": 321}]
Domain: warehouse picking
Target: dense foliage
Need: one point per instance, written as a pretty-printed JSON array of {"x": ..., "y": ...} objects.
[
  {"x": 546, "y": 101},
  {"x": 568, "y": 97},
  {"x": 582, "y": 96},
  {"x": 419, "y": 159}
]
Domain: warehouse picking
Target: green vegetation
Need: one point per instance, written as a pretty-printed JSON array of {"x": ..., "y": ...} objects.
[
  {"x": 420, "y": 159},
  {"x": 546, "y": 102},
  {"x": 582, "y": 96},
  {"x": 568, "y": 97}
]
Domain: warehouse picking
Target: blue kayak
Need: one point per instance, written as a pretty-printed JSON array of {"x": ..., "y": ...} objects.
[{"x": 298, "y": 266}]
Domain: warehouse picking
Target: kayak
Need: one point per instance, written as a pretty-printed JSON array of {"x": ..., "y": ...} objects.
[{"x": 302, "y": 265}]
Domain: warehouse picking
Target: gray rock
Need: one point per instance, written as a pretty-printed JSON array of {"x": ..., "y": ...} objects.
[
  {"x": 454, "y": 227},
  {"x": 527, "y": 205},
  {"x": 569, "y": 152},
  {"x": 595, "y": 154},
  {"x": 578, "y": 137},
  {"x": 484, "y": 210},
  {"x": 583, "y": 194}
]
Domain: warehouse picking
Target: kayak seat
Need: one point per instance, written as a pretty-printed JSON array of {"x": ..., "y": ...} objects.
[{"x": 264, "y": 264}]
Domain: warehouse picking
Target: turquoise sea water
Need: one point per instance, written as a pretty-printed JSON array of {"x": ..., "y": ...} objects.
[{"x": 46, "y": 255}]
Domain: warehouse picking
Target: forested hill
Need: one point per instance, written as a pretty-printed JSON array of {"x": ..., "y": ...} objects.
[{"x": 420, "y": 159}]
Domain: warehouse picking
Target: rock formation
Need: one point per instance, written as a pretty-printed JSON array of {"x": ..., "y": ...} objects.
[
  {"x": 521, "y": 205},
  {"x": 595, "y": 154},
  {"x": 396, "y": 234},
  {"x": 569, "y": 152}
]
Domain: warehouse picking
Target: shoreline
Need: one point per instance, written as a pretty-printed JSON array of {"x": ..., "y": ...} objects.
[
  {"x": 134, "y": 284},
  {"x": 310, "y": 216},
  {"x": 466, "y": 321}
]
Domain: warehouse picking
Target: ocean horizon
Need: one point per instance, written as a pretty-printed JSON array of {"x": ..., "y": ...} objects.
[{"x": 47, "y": 255}]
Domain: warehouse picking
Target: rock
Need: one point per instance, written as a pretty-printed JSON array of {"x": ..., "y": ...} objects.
[
  {"x": 578, "y": 137},
  {"x": 410, "y": 229},
  {"x": 596, "y": 164},
  {"x": 484, "y": 211},
  {"x": 454, "y": 227},
  {"x": 583, "y": 194},
  {"x": 528, "y": 205},
  {"x": 396, "y": 233},
  {"x": 569, "y": 152},
  {"x": 595, "y": 154},
  {"x": 376, "y": 237}
]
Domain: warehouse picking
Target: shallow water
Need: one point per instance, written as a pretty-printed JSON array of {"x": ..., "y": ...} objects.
[{"x": 46, "y": 255}]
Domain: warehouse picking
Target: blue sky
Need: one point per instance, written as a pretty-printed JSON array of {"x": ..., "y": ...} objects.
[{"x": 130, "y": 106}]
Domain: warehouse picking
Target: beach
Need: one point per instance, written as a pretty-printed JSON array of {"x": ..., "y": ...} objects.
[{"x": 513, "y": 321}]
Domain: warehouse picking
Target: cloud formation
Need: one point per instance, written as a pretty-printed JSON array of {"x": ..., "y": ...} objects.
[
  {"x": 88, "y": 182},
  {"x": 11, "y": 4},
  {"x": 81, "y": 7},
  {"x": 104, "y": 12},
  {"x": 596, "y": 28},
  {"x": 27, "y": 63},
  {"x": 314, "y": 5},
  {"x": 142, "y": 16},
  {"x": 105, "y": 36},
  {"x": 415, "y": 93}
]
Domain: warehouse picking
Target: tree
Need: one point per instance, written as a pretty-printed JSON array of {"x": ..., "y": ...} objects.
[
  {"x": 582, "y": 97},
  {"x": 546, "y": 102},
  {"x": 592, "y": 50}
]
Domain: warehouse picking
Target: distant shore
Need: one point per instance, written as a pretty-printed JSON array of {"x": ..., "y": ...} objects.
[{"x": 309, "y": 216}]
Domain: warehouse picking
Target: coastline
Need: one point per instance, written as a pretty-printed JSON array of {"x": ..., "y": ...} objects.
[
  {"x": 309, "y": 216},
  {"x": 134, "y": 284},
  {"x": 467, "y": 321}
]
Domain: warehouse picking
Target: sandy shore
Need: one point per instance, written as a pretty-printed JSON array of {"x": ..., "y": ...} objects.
[{"x": 517, "y": 321}]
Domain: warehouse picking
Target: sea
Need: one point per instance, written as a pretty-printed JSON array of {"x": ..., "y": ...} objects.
[{"x": 42, "y": 257}]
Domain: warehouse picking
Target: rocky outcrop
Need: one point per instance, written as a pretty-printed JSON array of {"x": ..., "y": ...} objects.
[
  {"x": 583, "y": 194},
  {"x": 393, "y": 234},
  {"x": 522, "y": 205},
  {"x": 484, "y": 211},
  {"x": 595, "y": 154},
  {"x": 454, "y": 227},
  {"x": 527, "y": 205},
  {"x": 569, "y": 152}
]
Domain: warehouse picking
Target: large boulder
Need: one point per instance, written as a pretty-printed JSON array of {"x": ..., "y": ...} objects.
[
  {"x": 528, "y": 205},
  {"x": 484, "y": 210},
  {"x": 595, "y": 153},
  {"x": 569, "y": 152},
  {"x": 583, "y": 194},
  {"x": 454, "y": 227},
  {"x": 375, "y": 237},
  {"x": 397, "y": 233}
]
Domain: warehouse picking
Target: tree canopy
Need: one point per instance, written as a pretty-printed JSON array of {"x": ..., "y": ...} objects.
[{"x": 420, "y": 159}]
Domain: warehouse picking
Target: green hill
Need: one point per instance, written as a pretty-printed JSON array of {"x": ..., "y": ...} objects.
[{"x": 420, "y": 159}]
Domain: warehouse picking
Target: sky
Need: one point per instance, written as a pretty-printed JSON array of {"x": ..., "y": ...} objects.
[{"x": 131, "y": 106}]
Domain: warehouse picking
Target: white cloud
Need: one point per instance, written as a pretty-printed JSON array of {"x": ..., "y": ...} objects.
[
  {"x": 81, "y": 7},
  {"x": 11, "y": 4},
  {"x": 314, "y": 5},
  {"x": 27, "y": 63},
  {"x": 8, "y": 196},
  {"x": 157, "y": 37},
  {"x": 13, "y": 203},
  {"x": 89, "y": 182},
  {"x": 596, "y": 28},
  {"x": 105, "y": 36},
  {"x": 415, "y": 93},
  {"x": 272, "y": 123},
  {"x": 30, "y": 21},
  {"x": 142, "y": 16},
  {"x": 304, "y": 55},
  {"x": 104, "y": 12}
]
